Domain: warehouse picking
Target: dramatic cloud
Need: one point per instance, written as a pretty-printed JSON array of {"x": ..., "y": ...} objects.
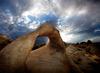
[{"x": 77, "y": 20}]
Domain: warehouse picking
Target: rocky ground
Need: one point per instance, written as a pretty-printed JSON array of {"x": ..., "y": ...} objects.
[{"x": 86, "y": 56}]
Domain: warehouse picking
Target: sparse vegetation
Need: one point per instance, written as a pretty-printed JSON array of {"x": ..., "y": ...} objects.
[{"x": 86, "y": 55}]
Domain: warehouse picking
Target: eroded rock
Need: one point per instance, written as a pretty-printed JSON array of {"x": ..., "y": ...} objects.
[
  {"x": 49, "y": 58},
  {"x": 13, "y": 56}
]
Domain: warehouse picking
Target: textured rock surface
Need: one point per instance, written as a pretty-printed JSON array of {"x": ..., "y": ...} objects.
[{"x": 13, "y": 56}]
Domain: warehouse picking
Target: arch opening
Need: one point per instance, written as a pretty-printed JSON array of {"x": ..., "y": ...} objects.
[{"x": 40, "y": 41}]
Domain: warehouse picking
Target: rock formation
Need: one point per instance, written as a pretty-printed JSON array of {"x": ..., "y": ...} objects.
[
  {"x": 13, "y": 56},
  {"x": 50, "y": 58}
]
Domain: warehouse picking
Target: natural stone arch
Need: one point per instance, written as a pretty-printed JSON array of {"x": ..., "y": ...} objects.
[{"x": 51, "y": 58}]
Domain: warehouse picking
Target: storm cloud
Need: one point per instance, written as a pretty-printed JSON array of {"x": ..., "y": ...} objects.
[{"x": 77, "y": 20}]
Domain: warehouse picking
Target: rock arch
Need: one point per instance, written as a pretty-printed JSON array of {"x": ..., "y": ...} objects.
[{"x": 50, "y": 58}]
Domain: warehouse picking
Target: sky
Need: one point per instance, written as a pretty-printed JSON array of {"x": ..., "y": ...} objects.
[{"x": 77, "y": 20}]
